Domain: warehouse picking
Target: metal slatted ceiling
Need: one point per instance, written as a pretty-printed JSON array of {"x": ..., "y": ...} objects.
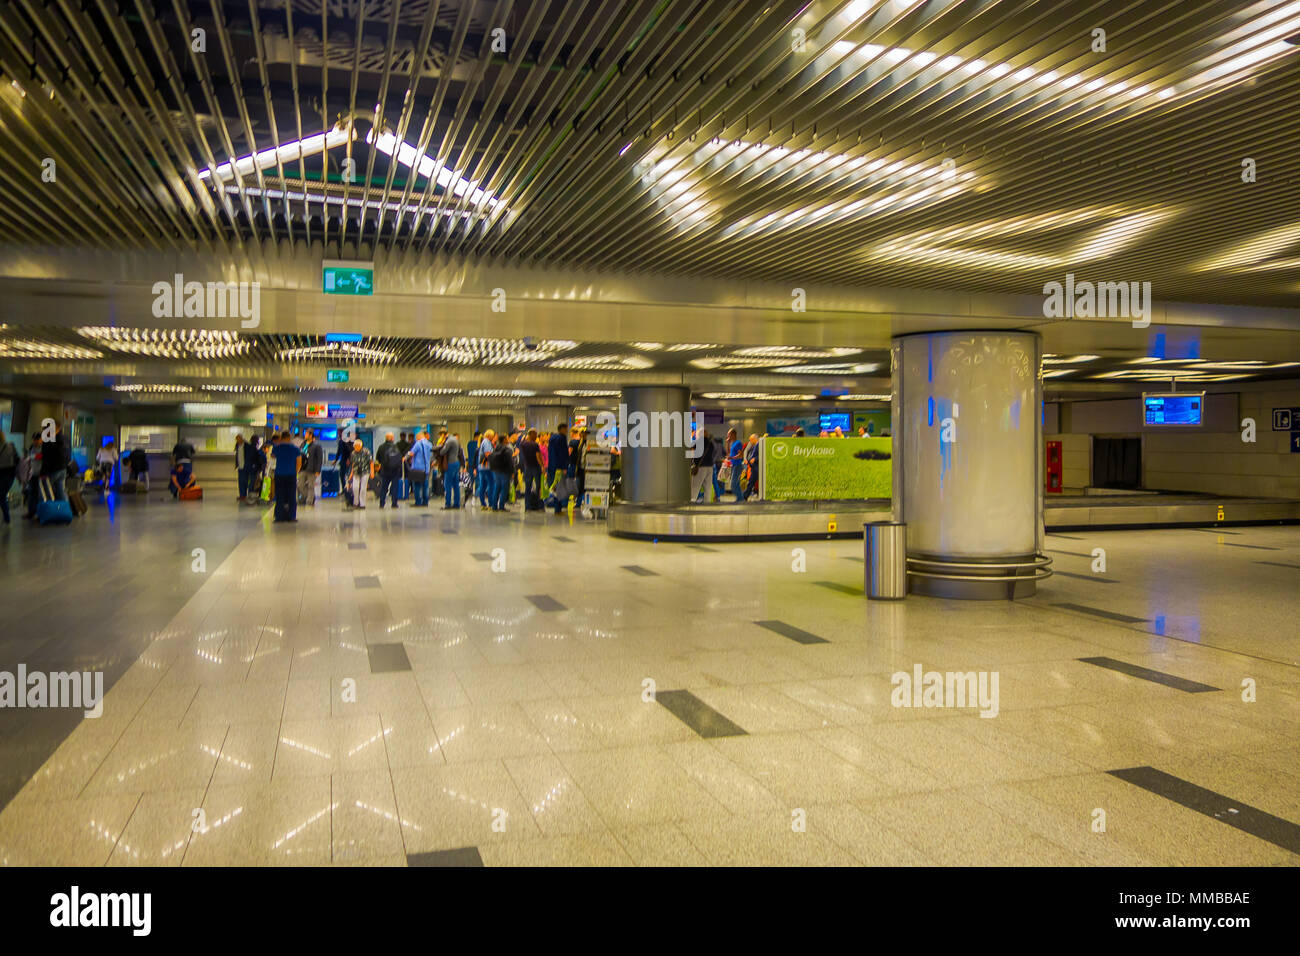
[
  {"x": 191, "y": 356},
  {"x": 596, "y": 131}
]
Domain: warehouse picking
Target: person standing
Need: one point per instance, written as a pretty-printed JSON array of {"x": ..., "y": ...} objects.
[
  {"x": 241, "y": 467},
  {"x": 530, "y": 454},
  {"x": 105, "y": 462},
  {"x": 452, "y": 459},
  {"x": 341, "y": 458},
  {"x": 751, "y": 467},
  {"x": 486, "y": 480},
  {"x": 418, "y": 461},
  {"x": 471, "y": 462},
  {"x": 361, "y": 467},
  {"x": 735, "y": 455},
  {"x": 557, "y": 454},
  {"x": 9, "y": 459},
  {"x": 29, "y": 473},
  {"x": 313, "y": 465},
  {"x": 389, "y": 458},
  {"x": 502, "y": 463},
  {"x": 702, "y": 468},
  {"x": 54, "y": 463},
  {"x": 288, "y": 463}
]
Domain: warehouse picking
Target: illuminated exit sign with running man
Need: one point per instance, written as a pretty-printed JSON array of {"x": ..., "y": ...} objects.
[{"x": 342, "y": 277}]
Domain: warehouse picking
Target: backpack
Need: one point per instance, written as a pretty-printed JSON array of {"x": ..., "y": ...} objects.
[{"x": 392, "y": 458}]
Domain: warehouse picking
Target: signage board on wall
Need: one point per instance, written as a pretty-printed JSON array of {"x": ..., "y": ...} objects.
[
  {"x": 804, "y": 469},
  {"x": 317, "y": 410}
]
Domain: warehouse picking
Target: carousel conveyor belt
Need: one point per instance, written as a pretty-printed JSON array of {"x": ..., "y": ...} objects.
[{"x": 788, "y": 520}]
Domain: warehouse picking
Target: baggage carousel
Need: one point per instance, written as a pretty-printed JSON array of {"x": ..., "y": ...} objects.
[{"x": 791, "y": 520}]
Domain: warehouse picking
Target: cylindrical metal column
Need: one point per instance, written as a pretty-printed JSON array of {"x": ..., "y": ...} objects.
[
  {"x": 967, "y": 461},
  {"x": 655, "y": 470},
  {"x": 547, "y": 418}
]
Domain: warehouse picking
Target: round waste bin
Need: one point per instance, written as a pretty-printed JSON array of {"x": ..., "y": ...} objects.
[{"x": 885, "y": 543}]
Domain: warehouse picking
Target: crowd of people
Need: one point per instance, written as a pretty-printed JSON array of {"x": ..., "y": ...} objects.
[
  {"x": 42, "y": 471},
  {"x": 728, "y": 466},
  {"x": 494, "y": 470}
]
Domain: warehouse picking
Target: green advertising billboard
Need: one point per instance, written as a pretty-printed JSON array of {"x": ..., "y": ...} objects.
[{"x": 803, "y": 469}]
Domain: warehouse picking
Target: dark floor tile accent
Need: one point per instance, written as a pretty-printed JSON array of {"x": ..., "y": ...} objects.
[
  {"x": 356, "y": 546},
  {"x": 560, "y": 537},
  {"x": 1146, "y": 673},
  {"x": 1279, "y": 564},
  {"x": 792, "y": 632},
  {"x": 1085, "y": 577},
  {"x": 842, "y": 588},
  {"x": 544, "y": 602},
  {"x": 702, "y": 547},
  {"x": 1073, "y": 554},
  {"x": 387, "y": 658},
  {"x": 640, "y": 571},
  {"x": 1240, "y": 816},
  {"x": 464, "y": 856},
  {"x": 1067, "y": 537},
  {"x": 1213, "y": 531},
  {"x": 366, "y": 580},
  {"x": 482, "y": 556},
  {"x": 1098, "y": 612},
  {"x": 854, "y": 557},
  {"x": 698, "y": 715},
  {"x": 1257, "y": 547}
]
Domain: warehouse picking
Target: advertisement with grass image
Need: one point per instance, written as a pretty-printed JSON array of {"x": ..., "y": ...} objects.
[{"x": 801, "y": 469}]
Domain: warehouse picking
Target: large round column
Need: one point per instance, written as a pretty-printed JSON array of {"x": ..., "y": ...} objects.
[
  {"x": 654, "y": 472},
  {"x": 967, "y": 461}
]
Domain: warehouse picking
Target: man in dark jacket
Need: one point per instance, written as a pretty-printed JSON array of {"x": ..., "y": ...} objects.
[
  {"x": 54, "y": 463},
  {"x": 557, "y": 454},
  {"x": 502, "y": 463},
  {"x": 315, "y": 455},
  {"x": 389, "y": 458}
]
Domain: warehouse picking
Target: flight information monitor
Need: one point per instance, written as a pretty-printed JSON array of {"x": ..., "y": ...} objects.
[
  {"x": 1172, "y": 408},
  {"x": 830, "y": 421}
]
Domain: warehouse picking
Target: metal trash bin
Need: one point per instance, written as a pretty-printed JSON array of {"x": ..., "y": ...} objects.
[{"x": 885, "y": 558}]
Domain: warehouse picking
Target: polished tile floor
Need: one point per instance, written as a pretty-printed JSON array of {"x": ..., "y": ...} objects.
[{"x": 431, "y": 687}]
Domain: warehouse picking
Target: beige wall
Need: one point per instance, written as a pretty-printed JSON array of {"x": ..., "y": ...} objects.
[
  {"x": 1212, "y": 460},
  {"x": 1221, "y": 463}
]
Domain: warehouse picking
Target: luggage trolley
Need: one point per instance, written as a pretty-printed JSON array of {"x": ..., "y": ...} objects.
[{"x": 596, "y": 462}]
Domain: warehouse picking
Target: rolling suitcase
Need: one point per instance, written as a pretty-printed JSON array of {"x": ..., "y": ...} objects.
[
  {"x": 77, "y": 503},
  {"x": 50, "y": 511}
]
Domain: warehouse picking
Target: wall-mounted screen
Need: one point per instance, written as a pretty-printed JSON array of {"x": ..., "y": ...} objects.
[
  {"x": 1183, "y": 408},
  {"x": 829, "y": 421}
]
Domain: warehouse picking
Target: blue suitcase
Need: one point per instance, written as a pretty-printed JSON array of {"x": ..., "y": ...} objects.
[{"x": 49, "y": 511}]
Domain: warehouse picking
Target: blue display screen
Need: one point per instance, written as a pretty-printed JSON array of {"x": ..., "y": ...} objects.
[
  {"x": 829, "y": 421},
  {"x": 1171, "y": 409}
]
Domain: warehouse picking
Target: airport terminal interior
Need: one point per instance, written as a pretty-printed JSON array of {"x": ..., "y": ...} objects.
[{"x": 650, "y": 433}]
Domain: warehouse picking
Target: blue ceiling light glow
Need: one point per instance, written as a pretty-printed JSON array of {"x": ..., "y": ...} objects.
[
  {"x": 1158, "y": 346},
  {"x": 930, "y": 411},
  {"x": 343, "y": 337}
]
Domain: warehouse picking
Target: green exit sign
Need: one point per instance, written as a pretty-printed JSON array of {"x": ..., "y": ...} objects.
[
  {"x": 348, "y": 278},
  {"x": 336, "y": 375}
]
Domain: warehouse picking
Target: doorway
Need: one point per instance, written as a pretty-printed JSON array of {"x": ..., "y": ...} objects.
[{"x": 1116, "y": 462}]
